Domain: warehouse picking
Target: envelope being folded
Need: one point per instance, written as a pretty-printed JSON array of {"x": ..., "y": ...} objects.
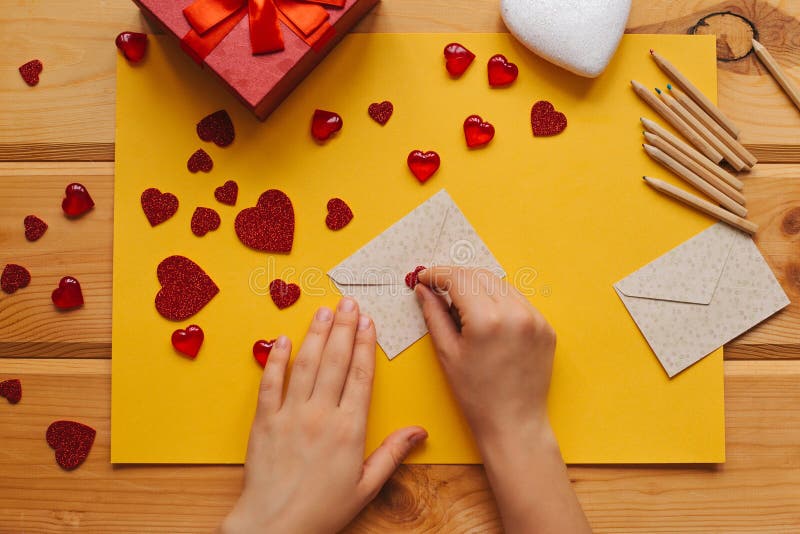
[
  {"x": 700, "y": 295},
  {"x": 434, "y": 233}
]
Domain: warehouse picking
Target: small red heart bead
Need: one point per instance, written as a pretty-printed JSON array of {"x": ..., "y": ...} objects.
[
  {"x": 72, "y": 442},
  {"x": 339, "y": 214},
  {"x": 477, "y": 132},
  {"x": 14, "y": 277},
  {"x": 77, "y": 200},
  {"x": 261, "y": 350},
  {"x": 158, "y": 207},
  {"x": 501, "y": 71},
  {"x": 68, "y": 294},
  {"x": 34, "y": 227},
  {"x": 217, "y": 127},
  {"x": 545, "y": 120},
  {"x": 133, "y": 45},
  {"x": 204, "y": 220},
  {"x": 227, "y": 193},
  {"x": 381, "y": 112},
  {"x": 200, "y": 161},
  {"x": 423, "y": 164},
  {"x": 11, "y": 390},
  {"x": 30, "y": 71},
  {"x": 283, "y": 294},
  {"x": 269, "y": 226},
  {"x": 412, "y": 278},
  {"x": 188, "y": 341},
  {"x": 185, "y": 288},
  {"x": 324, "y": 124},
  {"x": 457, "y": 59}
]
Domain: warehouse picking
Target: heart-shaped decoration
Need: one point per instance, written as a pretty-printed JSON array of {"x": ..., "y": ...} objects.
[
  {"x": 227, "y": 193},
  {"x": 545, "y": 120},
  {"x": 381, "y": 112},
  {"x": 261, "y": 350},
  {"x": 72, "y": 442},
  {"x": 580, "y": 35},
  {"x": 158, "y": 206},
  {"x": 283, "y": 294},
  {"x": 423, "y": 164},
  {"x": 14, "y": 277},
  {"x": 77, "y": 200},
  {"x": 34, "y": 227},
  {"x": 324, "y": 124},
  {"x": 185, "y": 288},
  {"x": 269, "y": 226},
  {"x": 412, "y": 278},
  {"x": 339, "y": 214},
  {"x": 457, "y": 58},
  {"x": 11, "y": 390},
  {"x": 30, "y": 71},
  {"x": 501, "y": 71},
  {"x": 477, "y": 132},
  {"x": 204, "y": 220},
  {"x": 133, "y": 45},
  {"x": 217, "y": 127},
  {"x": 200, "y": 161},
  {"x": 68, "y": 294},
  {"x": 188, "y": 341}
]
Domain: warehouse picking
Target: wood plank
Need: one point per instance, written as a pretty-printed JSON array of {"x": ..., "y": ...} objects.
[{"x": 757, "y": 489}]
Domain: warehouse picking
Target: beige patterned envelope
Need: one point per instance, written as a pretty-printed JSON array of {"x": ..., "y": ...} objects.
[
  {"x": 434, "y": 233},
  {"x": 700, "y": 295}
]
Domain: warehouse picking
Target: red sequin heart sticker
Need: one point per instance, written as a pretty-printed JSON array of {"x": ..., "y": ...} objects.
[
  {"x": 324, "y": 124},
  {"x": 217, "y": 127},
  {"x": 34, "y": 227},
  {"x": 200, "y": 161},
  {"x": 283, "y": 294},
  {"x": 477, "y": 132},
  {"x": 185, "y": 288},
  {"x": 227, "y": 193},
  {"x": 72, "y": 442},
  {"x": 30, "y": 71},
  {"x": 339, "y": 214},
  {"x": 204, "y": 220},
  {"x": 77, "y": 200},
  {"x": 269, "y": 226},
  {"x": 423, "y": 164},
  {"x": 68, "y": 294},
  {"x": 545, "y": 120},
  {"x": 501, "y": 71},
  {"x": 133, "y": 45},
  {"x": 11, "y": 390},
  {"x": 381, "y": 112},
  {"x": 188, "y": 341},
  {"x": 457, "y": 59},
  {"x": 14, "y": 277},
  {"x": 158, "y": 206},
  {"x": 412, "y": 278},
  {"x": 261, "y": 350}
]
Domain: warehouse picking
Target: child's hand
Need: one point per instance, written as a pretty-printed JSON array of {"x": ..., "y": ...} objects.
[{"x": 305, "y": 469}]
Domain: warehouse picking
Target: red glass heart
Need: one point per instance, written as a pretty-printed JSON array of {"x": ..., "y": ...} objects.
[
  {"x": 324, "y": 124},
  {"x": 200, "y": 161},
  {"x": 204, "y": 220},
  {"x": 283, "y": 294},
  {"x": 11, "y": 390},
  {"x": 381, "y": 112},
  {"x": 501, "y": 72},
  {"x": 545, "y": 120},
  {"x": 217, "y": 127},
  {"x": 477, "y": 132},
  {"x": 34, "y": 227},
  {"x": 158, "y": 206},
  {"x": 412, "y": 278},
  {"x": 133, "y": 45},
  {"x": 72, "y": 442},
  {"x": 77, "y": 200},
  {"x": 68, "y": 294},
  {"x": 269, "y": 226},
  {"x": 423, "y": 164},
  {"x": 30, "y": 71},
  {"x": 261, "y": 350},
  {"x": 339, "y": 214},
  {"x": 188, "y": 341},
  {"x": 457, "y": 59},
  {"x": 14, "y": 277},
  {"x": 227, "y": 193},
  {"x": 185, "y": 288}
]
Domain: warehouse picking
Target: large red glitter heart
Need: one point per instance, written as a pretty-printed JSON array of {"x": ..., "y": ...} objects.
[
  {"x": 545, "y": 120},
  {"x": 68, "y": 294},
  {"x": 501, "y": 71},
  {"x": 185, "y": 288},
  {"x": 204, "y": 220},
  {"x": 14, "y": 277},
  {"x": 200, "y": 161},
  {"x": 324, "y": 124},
  {"x": 381, "y": 112},
  {"x": 77, "y": 200},
  {"x": 477, "y": 132},
  {"x": 133, "y": 45},
  {"x": 72, "y": 442},
  {"x": 261, "y": 350},
  {"x": 457, "y": 59},
  {"x": 227, "y": 193},
  {"x": 188, "y": 341},
  {"x": 423, "y": 164},
  {"x": 217, "y": 127},
  {"x": 339, "y": 214},
  {"x": 11, "y": 390},
  {"x": 269, "y": 226},
  {"x": 30, "y": 71},
  {"x": 158, "y": 206},
  {"x": 283, "y": 294},
  {"x": 412, "y": 278},
  {"x": 34, "y": 227}
]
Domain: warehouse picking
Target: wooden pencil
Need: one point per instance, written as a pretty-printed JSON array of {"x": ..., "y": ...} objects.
[
  {"x": 772, "y": 66},
  {"x": 697, "y": 95},
  {"x": 657, "y": 129},
  {"x": 695, "y": 181},
  {"x": 701, "y": 205}
]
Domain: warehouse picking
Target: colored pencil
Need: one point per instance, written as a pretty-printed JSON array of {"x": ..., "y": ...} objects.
[{"x": 772, "y": 66}]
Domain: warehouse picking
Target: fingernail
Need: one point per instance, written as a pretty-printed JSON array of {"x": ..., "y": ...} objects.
[
  {"x": 324, "y": 314},
  {"x": 363, "y": 322},
  {"x": 347, "y": 305},
  {"x": 282, "y": 342},
  {"x": 417, "y": 438}
]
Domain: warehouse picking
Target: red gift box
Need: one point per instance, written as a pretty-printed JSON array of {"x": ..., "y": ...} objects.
[{"x": 260, "y": 49}]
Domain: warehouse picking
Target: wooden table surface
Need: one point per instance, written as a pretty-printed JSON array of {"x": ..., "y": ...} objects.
[{"x": 63, "y": 130}]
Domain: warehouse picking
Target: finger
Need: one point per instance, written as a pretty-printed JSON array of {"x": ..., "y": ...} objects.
[
  {"x": 387, "y": 458},
  {"x": 337, "y": 353},
  {"x": 306, "y": 364},
  {"x": 463, "y": 285},
  {"x": 490, "y": 283},
  {"x": 358, "y": 386},
  {"x": 436, "y": 312},
  {"x": 270, "y": 391}
]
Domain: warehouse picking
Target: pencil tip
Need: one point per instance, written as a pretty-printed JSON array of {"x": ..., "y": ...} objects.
[
  {"x": 658, "y": 90},
  {"x": 644, "y": 178},
  {"x": 651, "y": 52},
  {"x": 669, "y": 86}
]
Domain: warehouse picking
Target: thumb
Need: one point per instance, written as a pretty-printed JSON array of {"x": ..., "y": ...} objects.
[
  {"x": 437, "y": 316},
  {"x": 385, "y": 460}
]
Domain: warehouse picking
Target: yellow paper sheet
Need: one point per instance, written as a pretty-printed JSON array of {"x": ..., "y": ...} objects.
[{"x": 565, "y": 216}]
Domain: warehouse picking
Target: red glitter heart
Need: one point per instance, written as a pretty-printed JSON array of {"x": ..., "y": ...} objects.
[
  {"x": 227, "y": 193},
  {"x": 283, "y": 294},
  {"x": 72, "y": 442},
  {"x": 68, "y": 294},
  {"x": 200, "y": 161},
  {"x": 545, "y": 120},
  {"x": 188, "y": 341},
  {"x": 269, "y": 226},
  {"x": 339, "y": 214},
  {"x": 34, "y": 227},
  {"x": 185, "y": 288},
  {"x": 133, "y": 45},
  {"x": 77, "y": 200},
  {"x": 477, "y": 132},
  {"x": 412, "y": 278},
  {"x": 324, "y": 124},
  {"x": 204, "y": 220},
  {"x": 501, "y": 72},
  {"x": 381, "y": 113},
  {"x": 423, "y": 164},
  {"x": 30, "y": 71},
  {"x": 158, "y": 206},
  {"x": 14, "y": 277},
  {"x": 217, "y": 127},
  {"x": 457, "y": 59},
  {"x": 11, "y": 390},
  {"x": 261, "y": 350}
]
